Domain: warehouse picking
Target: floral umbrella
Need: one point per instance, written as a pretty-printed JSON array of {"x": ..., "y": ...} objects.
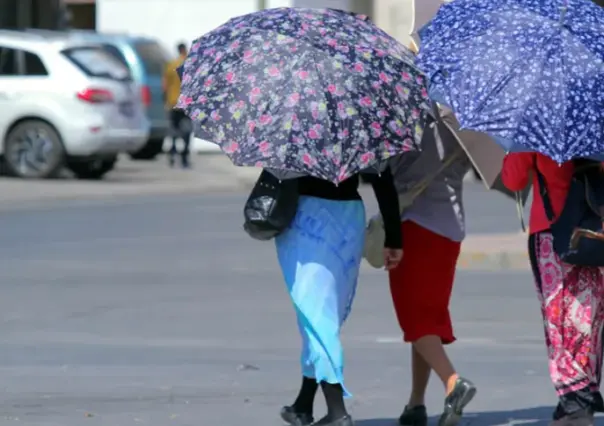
[{"x": 317, "y": 92}]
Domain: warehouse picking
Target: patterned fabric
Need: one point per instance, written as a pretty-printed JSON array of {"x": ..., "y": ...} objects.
[
  {"x": 320, "y": 255},
  {"x": 314, "y": 91},
  {"x": 572, "y": 304},
  {"x": 528, "y": 72}
]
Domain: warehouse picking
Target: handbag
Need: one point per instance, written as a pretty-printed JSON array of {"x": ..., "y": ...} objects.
[
  {"x": 577, "y": 232},
  {"x": 270, "y": 207}
]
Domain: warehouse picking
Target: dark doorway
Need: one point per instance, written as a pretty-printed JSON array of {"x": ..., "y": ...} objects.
[
  {"x": 82, "y": 15},
  {"x": 44, "y": 14}
]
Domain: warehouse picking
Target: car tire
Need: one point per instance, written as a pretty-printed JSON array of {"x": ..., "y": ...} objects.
[
  {"x": 152, "y": 149},
  {"x": 93, "y": 169},
  {"x": 33, "y": 149}
]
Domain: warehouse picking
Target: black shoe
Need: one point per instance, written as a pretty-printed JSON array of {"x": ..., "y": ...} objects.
[
  {"x": 342, "y": 421},
  {"x": 414, "y": 416},
  {"x": 289, "y": 416},
  {"x": 460, "y": 396}
]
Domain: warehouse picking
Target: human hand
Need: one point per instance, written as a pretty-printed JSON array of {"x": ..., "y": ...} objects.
[{"x": 392, "y": 257}]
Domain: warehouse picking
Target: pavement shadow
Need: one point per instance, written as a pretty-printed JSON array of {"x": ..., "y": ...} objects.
[{"x": 536, "y": 416}]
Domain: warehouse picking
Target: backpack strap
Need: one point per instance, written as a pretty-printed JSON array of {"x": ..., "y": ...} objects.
[{"x": 547, "y": 203}]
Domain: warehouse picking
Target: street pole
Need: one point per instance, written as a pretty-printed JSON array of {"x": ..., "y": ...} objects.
[{"x": 261, "y": 4}]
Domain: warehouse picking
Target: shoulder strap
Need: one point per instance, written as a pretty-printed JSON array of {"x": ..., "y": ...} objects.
[
  {"x": 445, "y": 163},
  {"x": 547, "y": 203}
]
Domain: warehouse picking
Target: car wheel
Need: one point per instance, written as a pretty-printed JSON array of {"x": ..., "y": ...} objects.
[
  {"x": 93, "y": 169},
  {"x": 152, "y": 149},
  {"x": 33, "y": 150}
]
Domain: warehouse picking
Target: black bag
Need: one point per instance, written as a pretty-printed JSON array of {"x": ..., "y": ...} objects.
[
  {"x": 271, "y": 206},
  {"x": 578, "y": 234}
]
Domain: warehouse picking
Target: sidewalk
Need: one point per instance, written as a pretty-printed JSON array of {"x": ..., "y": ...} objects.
[{"x": 495, "y": 252}]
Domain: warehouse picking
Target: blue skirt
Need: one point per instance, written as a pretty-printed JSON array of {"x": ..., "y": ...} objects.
[{"x": 320, "y": 255}]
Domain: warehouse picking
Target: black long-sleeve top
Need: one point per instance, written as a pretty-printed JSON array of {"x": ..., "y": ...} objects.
[{"x": 385, "y": 193}]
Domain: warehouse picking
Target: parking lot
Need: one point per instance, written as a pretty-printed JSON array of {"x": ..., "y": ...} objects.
[{"x": 209, "y": 173}]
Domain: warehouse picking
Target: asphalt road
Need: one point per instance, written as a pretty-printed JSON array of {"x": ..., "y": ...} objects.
[{"x": 160, "y": 311}]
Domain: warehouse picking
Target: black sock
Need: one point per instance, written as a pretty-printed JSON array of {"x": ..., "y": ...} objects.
[
  {"x": 334, "y": 398},
  {"x": 306, "y": 398}
]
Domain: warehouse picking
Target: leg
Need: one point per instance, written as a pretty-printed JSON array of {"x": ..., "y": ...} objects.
[
  {"x": 185, "y": 126},
  {"x": 421, "y": 293},
  {"x": 300, "y": 413},
  {"x": 303, "y": 405},
  {"x": 415, "y": 413},
  {"x": 568, "y": 325},
  {"x": 431, "y": 349},
  {"x": 420, "y": 374},
  {"x": 174, "y": 124}
]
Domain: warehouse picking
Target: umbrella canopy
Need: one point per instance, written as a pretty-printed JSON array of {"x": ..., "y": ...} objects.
[
  {"x": 484, "y": 153},
  {"x": 527, "y": 72},
  {"x": 320, "y": 92}
]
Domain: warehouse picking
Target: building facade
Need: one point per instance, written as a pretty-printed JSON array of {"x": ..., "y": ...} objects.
[{"x": 172, "y": 21}]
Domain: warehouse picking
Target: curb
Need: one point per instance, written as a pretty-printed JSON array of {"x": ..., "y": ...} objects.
[
  {"x": 491, "y": 252},
  {"x": 488, "y": 262},
  {"x": 495, "y": 252},
  {"x": 498, "y": 261}
]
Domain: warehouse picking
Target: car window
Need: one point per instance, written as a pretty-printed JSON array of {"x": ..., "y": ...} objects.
[
  {"x": 97, "y": 62},
  {"x": 116, "y": 52},
  {"x": 8, "y": 61},
  {"x": 33, "y": 65},
  {"x": 152, "y": 55}
]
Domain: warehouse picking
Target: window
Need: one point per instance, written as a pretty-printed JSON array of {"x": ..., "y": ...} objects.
[
  {"x": 116, "y": 52},
  {"x": 33, "y": 65},
  {"x": 153, "y": 56},
  {"x": 8, "y": 61},
  {"x": 97, "y": 62}
]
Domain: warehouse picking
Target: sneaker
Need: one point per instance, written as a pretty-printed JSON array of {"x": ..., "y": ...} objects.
[
  {"x": 289, "y": 416},
  {"x": 414, "y": 416},
  {"x": 455, "y": 402}
]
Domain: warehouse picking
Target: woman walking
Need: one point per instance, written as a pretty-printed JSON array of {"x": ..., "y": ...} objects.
[
  {"x": 571, "y": 297},
  {"x": 421, "y": 285},
  {"x": 320, "y": 255}
]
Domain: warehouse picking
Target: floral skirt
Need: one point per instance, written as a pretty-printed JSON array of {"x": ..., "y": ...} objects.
[{"x": 572, "y": 305}]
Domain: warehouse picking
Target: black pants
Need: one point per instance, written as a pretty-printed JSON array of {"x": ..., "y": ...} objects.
[{"x": 181, "y": 126}]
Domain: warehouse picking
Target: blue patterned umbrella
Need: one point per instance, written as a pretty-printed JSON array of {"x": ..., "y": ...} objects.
[
  {"x": 528, "y": 72},
  {"x": 317, "y": 92}
]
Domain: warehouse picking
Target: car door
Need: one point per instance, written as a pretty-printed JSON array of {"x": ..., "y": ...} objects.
[{"x": 9, "y": 71}]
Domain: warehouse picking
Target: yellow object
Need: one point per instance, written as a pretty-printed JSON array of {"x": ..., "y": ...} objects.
[{"x": 172, "y": 82}]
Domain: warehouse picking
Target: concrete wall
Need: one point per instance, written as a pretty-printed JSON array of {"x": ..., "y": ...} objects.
[
  {"x": 174, "y": 20},
  {"x": 395, "y": 17}
]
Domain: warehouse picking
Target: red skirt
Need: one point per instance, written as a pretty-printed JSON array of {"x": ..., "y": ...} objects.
[{"x": 421, "y": 284}]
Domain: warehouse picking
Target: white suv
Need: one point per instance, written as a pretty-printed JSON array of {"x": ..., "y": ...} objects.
[{"x": 65, "y": 103}]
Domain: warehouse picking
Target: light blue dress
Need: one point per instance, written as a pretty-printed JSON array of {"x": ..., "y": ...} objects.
[{"x": 320, "y": 256}]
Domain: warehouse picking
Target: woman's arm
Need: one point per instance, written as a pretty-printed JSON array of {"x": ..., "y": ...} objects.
[
  {"x": 387, "y": 198},
  {"x": 516, "y": 170}
]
